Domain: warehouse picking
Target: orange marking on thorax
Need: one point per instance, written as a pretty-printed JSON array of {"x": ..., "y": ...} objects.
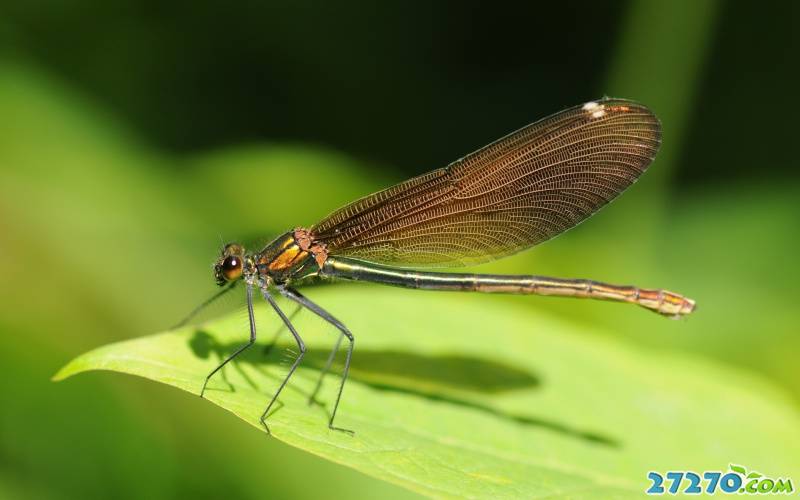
[
  {"x": 287, "y": 242},
  {"x": 287, "y": 258}
]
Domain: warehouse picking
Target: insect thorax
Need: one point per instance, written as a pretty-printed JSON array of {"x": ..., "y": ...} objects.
[{"x": 291, "y": 256}]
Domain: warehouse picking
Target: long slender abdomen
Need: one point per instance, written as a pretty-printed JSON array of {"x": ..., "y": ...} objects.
[{"x": 661, "y": 301}]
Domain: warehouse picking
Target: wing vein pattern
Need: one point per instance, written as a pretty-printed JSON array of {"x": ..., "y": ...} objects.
[{"x": 519, "y": 191}]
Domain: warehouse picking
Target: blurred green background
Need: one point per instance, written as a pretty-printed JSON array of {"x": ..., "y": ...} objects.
[{"x": 135, "y": 134}]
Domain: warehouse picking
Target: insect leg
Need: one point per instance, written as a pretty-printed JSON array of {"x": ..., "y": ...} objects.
[
  {"x": 203, "y": 305},
  {"x": 300, "y": 345},
  {"x": 268, "y": 347},
  {"x": 242, "y": 348},
  {"x": 296, "y": 296},
  {"x": 313, "y": 398}
]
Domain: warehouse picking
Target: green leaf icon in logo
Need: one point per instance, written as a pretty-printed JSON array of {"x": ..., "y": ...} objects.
[{"x": 738, "y": 469}]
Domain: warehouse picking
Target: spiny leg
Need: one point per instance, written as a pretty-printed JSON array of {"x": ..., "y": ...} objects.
[
  {"x": 296, "y": 296},
  {"x": 239, "y": 350},
  {"x": 268, "y": 347},
  {"x": 300, "y": 345}
]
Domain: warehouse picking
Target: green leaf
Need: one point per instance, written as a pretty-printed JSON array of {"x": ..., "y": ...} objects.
[
  {"x": 738, "y": 469},
  {"x": 454, "y": 395}
]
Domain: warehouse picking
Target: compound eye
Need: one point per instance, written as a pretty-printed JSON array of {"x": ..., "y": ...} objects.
[{"x": 232, "y": 267}]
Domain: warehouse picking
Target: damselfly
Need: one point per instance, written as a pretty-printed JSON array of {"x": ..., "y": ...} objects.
[{"x": 514, "y": 193}]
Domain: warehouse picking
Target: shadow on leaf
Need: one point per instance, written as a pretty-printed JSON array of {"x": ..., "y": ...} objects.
[{"x": 455, "y": 379}]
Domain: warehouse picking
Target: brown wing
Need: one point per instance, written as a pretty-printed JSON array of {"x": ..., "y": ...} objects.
[{"x": 514, "y": 193}]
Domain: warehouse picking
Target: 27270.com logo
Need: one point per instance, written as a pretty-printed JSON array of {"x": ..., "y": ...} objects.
[{"x": 737, "y": 480}]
